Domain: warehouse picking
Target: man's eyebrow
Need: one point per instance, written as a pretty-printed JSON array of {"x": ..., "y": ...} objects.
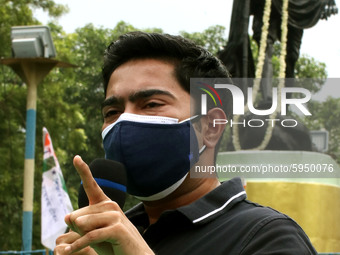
[
  {"x": 148, "y": 93},
  {"x": 135, "y": 96},
  {"x": 111, "y": 101}
]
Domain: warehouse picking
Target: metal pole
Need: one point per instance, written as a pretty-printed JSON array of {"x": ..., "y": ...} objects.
[{"x": 27, "y": 220}]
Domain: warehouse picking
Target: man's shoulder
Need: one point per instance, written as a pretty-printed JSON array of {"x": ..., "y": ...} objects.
[
  {"x": 253, "y": 212},
  {"x": 266, "y": 229},
  {"x": 255, "y": 217}
]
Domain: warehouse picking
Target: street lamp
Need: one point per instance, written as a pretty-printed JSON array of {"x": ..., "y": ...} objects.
[
  {"x": 33, "y": 50},
  {"x": 32, "y": 42}
]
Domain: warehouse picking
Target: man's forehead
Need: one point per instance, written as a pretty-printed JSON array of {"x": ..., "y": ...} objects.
[{"x": 142, "y": 78}]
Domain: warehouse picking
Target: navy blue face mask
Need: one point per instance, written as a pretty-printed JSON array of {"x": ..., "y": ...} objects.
[{"x": 157, "y": 152}]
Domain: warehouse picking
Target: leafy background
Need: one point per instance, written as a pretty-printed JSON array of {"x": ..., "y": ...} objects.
[{"x": 69, "y": 106}]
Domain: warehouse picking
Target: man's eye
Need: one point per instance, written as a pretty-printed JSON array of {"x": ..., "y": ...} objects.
[
  {"x": 110, "y": 113},
  {"x": 152, "y": 105}
]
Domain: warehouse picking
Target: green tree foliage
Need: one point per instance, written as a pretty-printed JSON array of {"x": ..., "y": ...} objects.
[
  {"x": 326, "y": 116},
  {"x": 12, "y": 105},
  {"x": 212, "y": 38},
  {"x": 313, "y": 70},
  {"x": 68, "y": 106}
]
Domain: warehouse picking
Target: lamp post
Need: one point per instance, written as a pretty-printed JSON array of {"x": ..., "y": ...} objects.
[{"x": 32, "y": 46}]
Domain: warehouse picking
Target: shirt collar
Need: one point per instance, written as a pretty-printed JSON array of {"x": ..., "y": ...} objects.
[
  {"x": 215, "y": 202},
  {"x": 202, "y": 210}
]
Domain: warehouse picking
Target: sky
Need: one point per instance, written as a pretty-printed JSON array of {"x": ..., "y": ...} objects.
[{"x": 322, "y": 42}]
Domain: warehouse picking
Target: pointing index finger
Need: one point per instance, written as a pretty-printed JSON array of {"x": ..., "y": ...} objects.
[{"x": 94, "y": 193}]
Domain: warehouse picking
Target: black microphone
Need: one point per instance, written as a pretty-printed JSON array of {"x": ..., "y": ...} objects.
[{"x": 111, "y": 177}]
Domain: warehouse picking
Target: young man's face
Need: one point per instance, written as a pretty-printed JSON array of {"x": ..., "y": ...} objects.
[{"x": 145, "y": 87}]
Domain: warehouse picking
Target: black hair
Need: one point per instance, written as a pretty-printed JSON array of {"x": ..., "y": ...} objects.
[{"x": 190, "y": 60}]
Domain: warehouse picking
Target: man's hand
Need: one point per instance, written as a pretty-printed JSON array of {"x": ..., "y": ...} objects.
[
  {"x": 66, "y": 239},
  {"x": 102, "y": 225}
]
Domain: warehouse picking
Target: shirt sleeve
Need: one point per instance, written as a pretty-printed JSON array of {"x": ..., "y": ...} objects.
[{"x": 278, "y": 236}]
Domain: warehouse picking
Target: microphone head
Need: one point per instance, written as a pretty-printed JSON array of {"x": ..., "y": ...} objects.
[{"x": 111, "y": 177}]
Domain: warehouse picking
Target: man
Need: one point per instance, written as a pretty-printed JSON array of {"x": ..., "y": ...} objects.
[{"x": 149, "y": 127}]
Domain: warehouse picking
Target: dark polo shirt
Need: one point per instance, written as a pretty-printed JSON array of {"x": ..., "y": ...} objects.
[{"x": 222, "y": 222}]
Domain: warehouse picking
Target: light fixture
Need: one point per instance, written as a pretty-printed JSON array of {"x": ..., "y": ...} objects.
[
  {"x": 32, "y": 42},
  {"x": 320, "y": 139}
]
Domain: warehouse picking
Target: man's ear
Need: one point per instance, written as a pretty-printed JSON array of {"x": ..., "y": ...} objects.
[{"x": 212, "y": 131}]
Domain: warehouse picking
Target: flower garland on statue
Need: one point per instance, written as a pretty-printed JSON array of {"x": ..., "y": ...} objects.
[{"x": 259, "y": 69}]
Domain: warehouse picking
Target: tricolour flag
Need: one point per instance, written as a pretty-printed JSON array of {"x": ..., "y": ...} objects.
[{"x": 55, "y": 202}]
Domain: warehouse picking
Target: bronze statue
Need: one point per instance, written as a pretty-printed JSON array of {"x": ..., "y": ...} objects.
[
  {"x": 237, "y": 53},
  {"x": 237, "y": 57}
]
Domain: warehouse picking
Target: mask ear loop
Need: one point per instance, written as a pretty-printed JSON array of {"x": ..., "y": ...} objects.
[
  {"x": 202, "y": 149},
  {"x": 196, "y": 118}
]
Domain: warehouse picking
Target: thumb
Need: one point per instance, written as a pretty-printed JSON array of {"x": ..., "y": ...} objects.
[{"x": 94, "y": 193}]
